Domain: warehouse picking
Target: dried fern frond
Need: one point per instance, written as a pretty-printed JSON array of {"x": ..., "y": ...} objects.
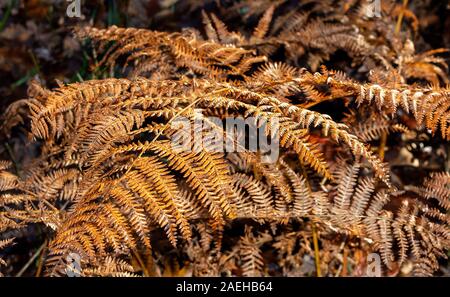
[
  {"x": 318, "y": 39},
  {"x": 125, "y": 175},
  {"x": 414, "y": 227},
  {"x": 153, "y": 51},
  {"x": 4, "y": 243},
  {"x": 428, "y": 105},
  {"x": 424, "y": 66},
  {"x": 437, "y": 187},
  {"x": 119, "y": 197},
  {"x": 374, "y": 127},
  {"x": 251, "y": 257},
  {"x": 111, "y": 267}
]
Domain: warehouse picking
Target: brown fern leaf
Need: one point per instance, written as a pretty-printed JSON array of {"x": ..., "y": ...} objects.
[
  {"x": 263, "y": 25},
  {"x": 3, "y": 244},
  {"x": 148, "y": 49},
  {"x": 426, "y": 104},
  {"x": 250, "y": 253},
  {"x": 412, "y": 228}
]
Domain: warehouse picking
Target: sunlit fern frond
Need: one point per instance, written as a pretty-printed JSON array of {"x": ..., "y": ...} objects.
[{"x": 151, "y": 50}]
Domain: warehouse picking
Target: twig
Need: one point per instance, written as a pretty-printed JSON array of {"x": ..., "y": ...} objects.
[{"x": 38, "y": 251}]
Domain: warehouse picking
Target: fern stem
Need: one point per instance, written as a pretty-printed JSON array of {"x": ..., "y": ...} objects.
[
  {"x": 382, "y": 146},
  {"x": 400, "y": 17},
  {"x": 41, "y": 261},
  {"x": 37, "y": 253},
  {"x": 141, "y": 263},
  {"x": 13, "y": 159},
  {"x": 344, "y": 262},
  {"x": 314, "y": 230},
  {"x": 447, "y": 163},
  {"x": 316, "y": 250}
]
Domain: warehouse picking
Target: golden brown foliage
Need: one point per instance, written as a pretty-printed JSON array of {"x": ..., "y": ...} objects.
[{"x": 107, "y": 177}]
